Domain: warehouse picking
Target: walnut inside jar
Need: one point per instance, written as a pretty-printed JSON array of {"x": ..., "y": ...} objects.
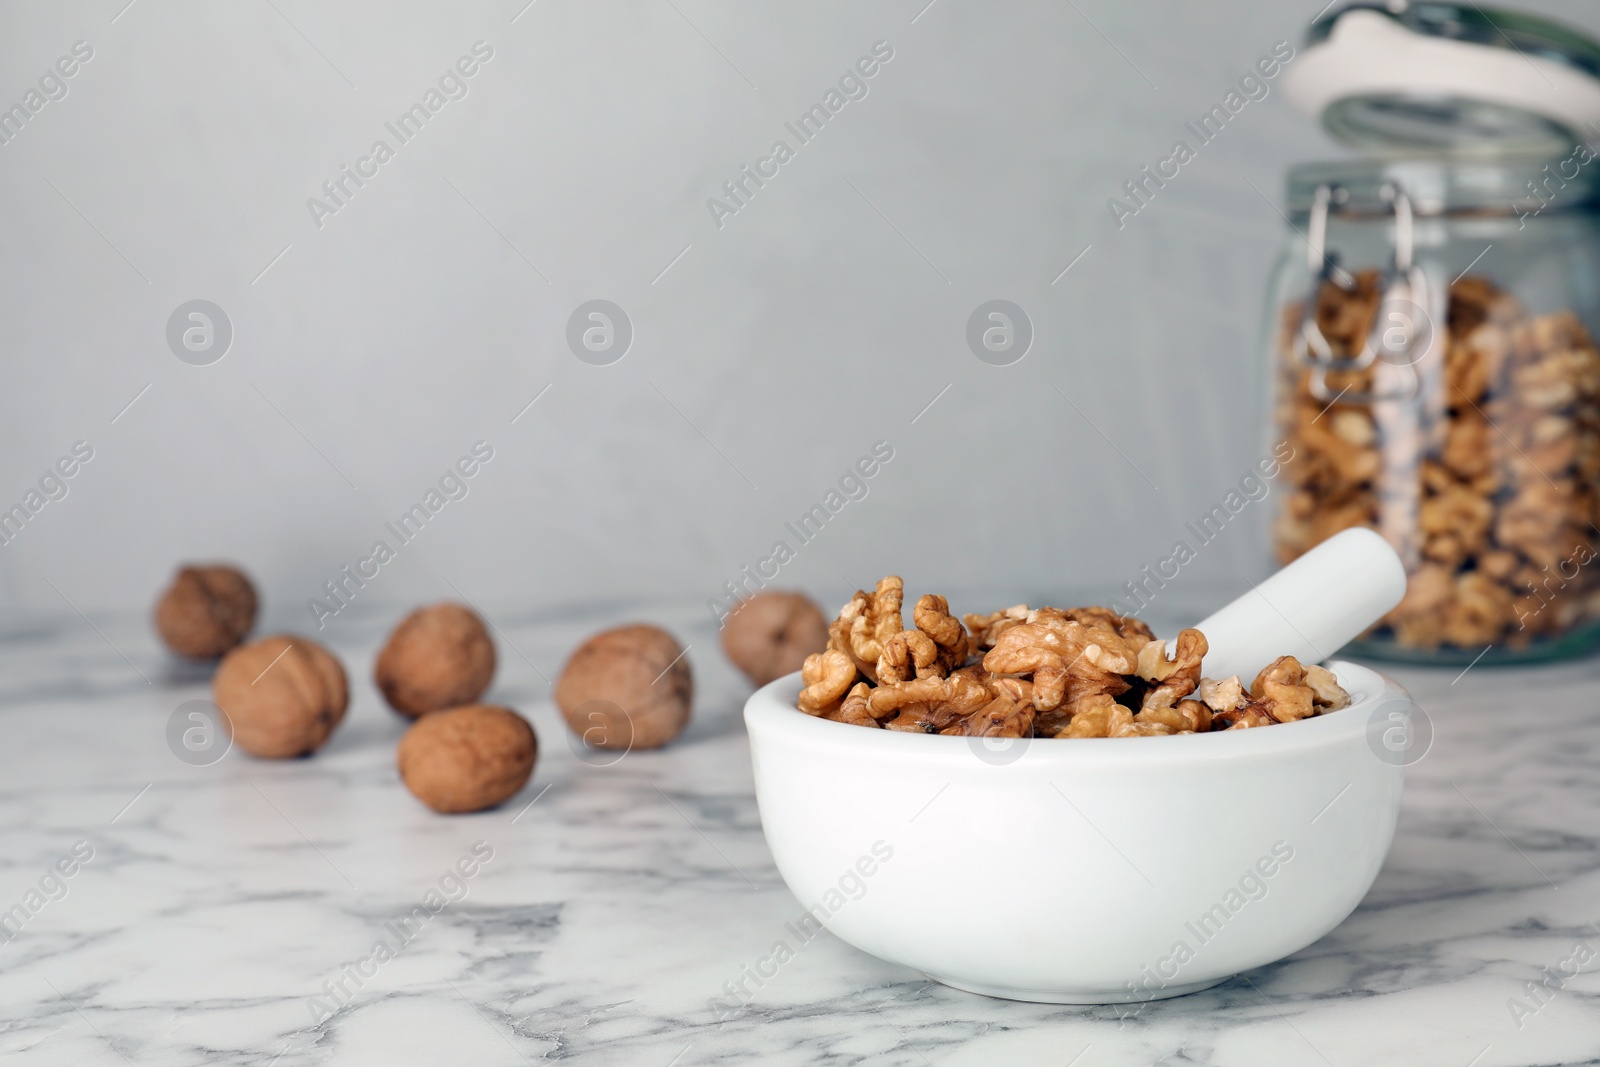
[{"x": 1487, "y": 481}]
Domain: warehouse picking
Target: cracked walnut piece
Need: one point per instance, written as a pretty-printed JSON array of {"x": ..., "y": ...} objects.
[
  {"x": 854, "y": 709},
  {"x": 1291, "y": 691},
  {"x": 867, "y": 623},
  {"x": 936, "y": 647},
  {"x": 828, "y": 676},
  {"x": 1128, "y": 627},
  {"x": 1283, "y": 692},
  {"x": 1222, "y": 694},
  {"x": 1247, "y": 715},
  {"x": 910, "y": 653},
  {"x": 928, "y": 705},
  {"x": 1001, "y": 717},
  {"x": 1175, "y": 678},
  {"x": 986, "y": 629},
  {"x": 1055, "y": 648},
  {"x": 1281, "y": 686},
  {"x": 932, "y": 616}
]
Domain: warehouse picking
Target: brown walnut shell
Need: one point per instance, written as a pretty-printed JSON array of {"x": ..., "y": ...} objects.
[
  {"x": 282, "y": 696},
  {"x": 627, "y": 688},
  {"x": 467, "y": 759},
  {"x": 206, "y": 611},
  {"x": 771, "y": 634},
  {"x": 440, "y": 656}
]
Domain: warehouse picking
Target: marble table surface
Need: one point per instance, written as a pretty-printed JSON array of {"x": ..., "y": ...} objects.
[{"x": 230, "y": 912}]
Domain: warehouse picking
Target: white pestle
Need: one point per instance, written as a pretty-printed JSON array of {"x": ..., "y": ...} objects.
[{"x": 1309, "y": 609}]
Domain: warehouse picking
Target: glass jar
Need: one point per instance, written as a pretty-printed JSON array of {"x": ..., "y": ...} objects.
[
  {"x": 1431, "y": 330},
  {"x": 1437, "y": 379}
]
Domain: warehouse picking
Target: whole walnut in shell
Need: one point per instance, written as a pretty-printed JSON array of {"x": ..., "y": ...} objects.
[
  {"x": 771, "y": 634},
  {"x": 440, "y": 656},
  {"x": 627, "y": 688},
  {"x": 282, "y": 696},
  {"x": 206, "y": 610},
  {"x": 467, "y": 759}
]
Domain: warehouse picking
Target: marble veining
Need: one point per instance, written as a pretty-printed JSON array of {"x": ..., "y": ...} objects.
[{"x": 231, "y": 913}]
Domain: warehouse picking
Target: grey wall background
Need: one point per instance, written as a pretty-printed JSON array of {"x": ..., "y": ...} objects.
[{"x": 768, "y": 355}]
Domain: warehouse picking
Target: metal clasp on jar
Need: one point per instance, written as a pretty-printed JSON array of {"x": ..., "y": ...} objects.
[{"x": 1402, "y": 329}]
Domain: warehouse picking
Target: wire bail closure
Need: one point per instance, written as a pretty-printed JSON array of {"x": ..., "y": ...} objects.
[{"x": 1395, "y": 335}]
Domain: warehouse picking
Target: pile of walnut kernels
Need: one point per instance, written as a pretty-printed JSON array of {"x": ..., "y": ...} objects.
[
  {"x": 1487, "y": 482},
  {"x": 1044, "y": 672}
]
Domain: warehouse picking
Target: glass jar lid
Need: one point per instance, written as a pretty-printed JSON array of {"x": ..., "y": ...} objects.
[{"x": 1450, "y": 80}]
